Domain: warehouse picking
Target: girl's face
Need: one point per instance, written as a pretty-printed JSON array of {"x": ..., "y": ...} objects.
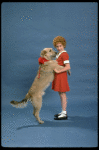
[{"x": 59, "y": 47}]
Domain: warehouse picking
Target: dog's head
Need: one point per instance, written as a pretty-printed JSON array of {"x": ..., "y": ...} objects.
[{"x": 48, "y": 53}]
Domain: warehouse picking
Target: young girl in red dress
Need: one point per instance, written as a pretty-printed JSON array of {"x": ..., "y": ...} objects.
[{"x": 60, "y": 82}]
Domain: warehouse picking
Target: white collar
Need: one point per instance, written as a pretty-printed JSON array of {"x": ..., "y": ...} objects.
[{"x": 60, "y": 54}]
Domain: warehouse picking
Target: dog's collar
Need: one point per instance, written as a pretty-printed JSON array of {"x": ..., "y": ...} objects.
[{"x": 42, "y": 60}]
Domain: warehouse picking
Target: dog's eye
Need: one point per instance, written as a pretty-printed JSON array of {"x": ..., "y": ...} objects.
[{"x": 50, "y": 50}]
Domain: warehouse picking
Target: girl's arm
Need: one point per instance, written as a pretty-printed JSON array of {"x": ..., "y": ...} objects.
[{"x": 67, "y": 67}]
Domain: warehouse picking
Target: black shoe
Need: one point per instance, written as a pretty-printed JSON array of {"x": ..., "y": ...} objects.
[
  {"x": 56, "y": 115},
  {"x": 61, "y": 118}
]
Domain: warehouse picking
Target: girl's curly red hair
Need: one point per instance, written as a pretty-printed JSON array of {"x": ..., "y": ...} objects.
[{"x": 59, "y": 39}]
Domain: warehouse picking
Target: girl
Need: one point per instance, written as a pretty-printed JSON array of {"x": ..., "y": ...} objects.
[{"x": 60, "y": 82}]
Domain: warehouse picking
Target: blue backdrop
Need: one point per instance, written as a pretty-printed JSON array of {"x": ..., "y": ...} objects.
[{"x": 26, "y": 29}]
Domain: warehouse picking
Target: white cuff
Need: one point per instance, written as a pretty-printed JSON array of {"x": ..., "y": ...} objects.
[{"x": 66, "y": 61}]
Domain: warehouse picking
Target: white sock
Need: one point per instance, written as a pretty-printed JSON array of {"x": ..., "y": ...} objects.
[{"x": 64, "y": 112}]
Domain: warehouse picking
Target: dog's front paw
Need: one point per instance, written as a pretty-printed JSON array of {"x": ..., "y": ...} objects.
[{"x": 69, "y": 72}]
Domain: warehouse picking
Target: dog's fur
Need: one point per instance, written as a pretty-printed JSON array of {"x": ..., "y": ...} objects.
[{"x": 40, "y": 84}]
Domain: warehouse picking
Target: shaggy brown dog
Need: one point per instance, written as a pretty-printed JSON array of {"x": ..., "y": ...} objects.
[{"x": 44, "y": 76}]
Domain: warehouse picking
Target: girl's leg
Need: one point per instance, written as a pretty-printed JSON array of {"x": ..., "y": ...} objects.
[
  {"x": 63, "y": 100},
  {"x": 63, "y": 114}
]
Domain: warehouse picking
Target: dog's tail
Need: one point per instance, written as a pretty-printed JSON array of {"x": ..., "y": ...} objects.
[{"x": 20, "y": 104}]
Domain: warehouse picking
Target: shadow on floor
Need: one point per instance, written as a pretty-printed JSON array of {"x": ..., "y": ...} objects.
[{"x": 73, "y": 121}]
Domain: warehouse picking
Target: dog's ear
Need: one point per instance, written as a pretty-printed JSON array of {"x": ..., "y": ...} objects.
[{"x": 43, "y": 53}]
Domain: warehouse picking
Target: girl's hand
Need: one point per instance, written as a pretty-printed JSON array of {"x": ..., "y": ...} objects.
[{"x": 57, "y": 71}]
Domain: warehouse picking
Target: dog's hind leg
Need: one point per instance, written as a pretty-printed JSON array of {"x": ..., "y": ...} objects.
[
  {"x": 34, "y": 111},
  {"x": 37, "y": 104}
]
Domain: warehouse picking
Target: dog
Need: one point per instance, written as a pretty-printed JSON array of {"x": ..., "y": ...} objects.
[{"x": 44, "y": 76}]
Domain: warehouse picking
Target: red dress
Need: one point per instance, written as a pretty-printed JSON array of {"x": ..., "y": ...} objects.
[{"x": 60, "y": 82}]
